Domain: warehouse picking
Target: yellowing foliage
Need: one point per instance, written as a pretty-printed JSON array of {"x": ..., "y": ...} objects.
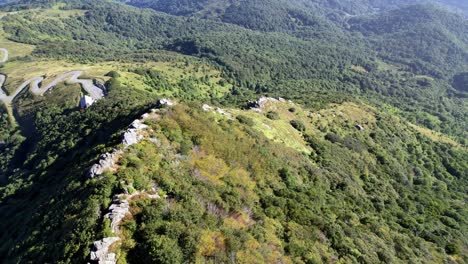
[
  {"x": 209, "y": 168},
  {"x": 241, "y": 177},
  {"x": 237, "y": 221},
  {"x": 210, "y": 243}
]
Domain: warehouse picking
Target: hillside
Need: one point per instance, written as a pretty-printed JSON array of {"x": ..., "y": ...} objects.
[
  {"x": 263, "y": 131},
  {"x": 422, "y": 37}
]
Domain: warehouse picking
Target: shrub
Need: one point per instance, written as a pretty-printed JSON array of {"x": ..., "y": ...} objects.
[
  {"x": 245, "y": 120},
  {"x": 273, "y": 115},
  {"x": 333, "y": 138},
  {"x": 452, "y": 249},
  {"x": 298, "y": 125},
  {"x": 113, "y": 74},
  {"x": 163, "y": 249}
]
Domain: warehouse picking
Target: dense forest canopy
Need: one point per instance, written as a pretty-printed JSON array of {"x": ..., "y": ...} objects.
[{"x": 363, "y": 161}]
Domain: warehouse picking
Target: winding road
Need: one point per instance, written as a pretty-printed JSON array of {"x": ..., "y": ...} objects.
[{"x": 34, "y": 83}]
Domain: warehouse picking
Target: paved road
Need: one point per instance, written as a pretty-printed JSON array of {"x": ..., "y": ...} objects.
[
  {"x": 34, "y": 84},
  {"x": 72, "y": 77}
]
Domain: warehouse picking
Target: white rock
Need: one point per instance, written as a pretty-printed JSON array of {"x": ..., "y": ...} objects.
[
  {"x": 206, "y": 107},
  {"x": 154, "y": 196},
  {"x": 131, "y": 137},
  {"x": 167, "y": 102},
  {"x": 137, "y": 124},
  {"x": 100, "y": 251},
  {"x": 106, "y": 162}
]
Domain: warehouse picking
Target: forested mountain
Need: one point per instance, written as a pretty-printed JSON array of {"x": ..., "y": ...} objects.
[
  {"x": 354, "y": 153},
  {"x": 295, "y": 9},
  {"x": 425, "y": 38}
]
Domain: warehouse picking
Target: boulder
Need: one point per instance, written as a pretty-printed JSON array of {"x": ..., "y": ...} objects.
[
  {"x": 206, "y": 107},
  {"x": 131, "y": 137},
  {"x": 166, "y": 102},
  {"x": 138, "y": 125},
  {"x": 359, "y": 127}
]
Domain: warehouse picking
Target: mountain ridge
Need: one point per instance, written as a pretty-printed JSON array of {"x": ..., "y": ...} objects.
[{"x": 324, "y": 135}]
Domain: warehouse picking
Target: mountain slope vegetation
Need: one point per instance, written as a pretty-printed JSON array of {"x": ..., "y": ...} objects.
[{"x": 354, "y": 153}]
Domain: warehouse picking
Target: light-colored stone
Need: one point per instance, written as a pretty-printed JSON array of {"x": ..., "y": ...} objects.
[
  {"x": 131, "y": 137},
  {"x": 100, "y": 251},
  {"x": 166, "y": 102},
  {"x": 138, "y": 124},
  {"x": 206, "y": 107},
  {"x": 106, "y": 161},
  {"x": 259, "y": 105},
  {"x": 117, "y": 212}
]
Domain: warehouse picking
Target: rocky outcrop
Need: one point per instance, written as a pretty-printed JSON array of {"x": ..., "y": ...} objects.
[
  {"x": 117, "y": 212},
  {"x": 100, "y": 251},
  {"x": 120, "y": 206},
  {"x": 166, "y": 102},
  {"x": 206, "y": 107},
  {"x": 130, "y": 137},
  {"x": 106, "y": 162},
  {"x": 259, "y": 105}
]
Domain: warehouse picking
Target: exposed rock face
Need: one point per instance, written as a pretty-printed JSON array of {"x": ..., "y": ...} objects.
[
  {"x": 117, "y": 212},
  {"x": 131, "y": 137},
  {"x": 121, "y": 203},
  {"x": 106, "y": 162},
  {"x": 121, "y": 207},
  {"x": 138, "y": 124},
  {"x": 359, "y": 127},
  {"x": 259, "y": 105},
  {"x": 86, "y": 101},
  {"x": 100, "y": 251}
]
